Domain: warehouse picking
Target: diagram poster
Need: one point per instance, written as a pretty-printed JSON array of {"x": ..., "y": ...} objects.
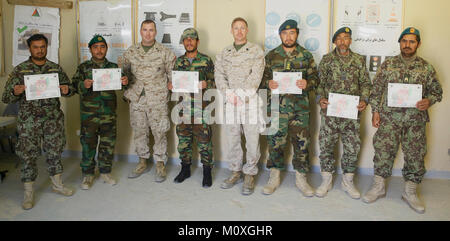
[
  {"x": 112, "y": 20},
  {"x": 29, "y": 20},
  {"x": 376, "y": 26},
  {"x": 313, "y": 18},
  {"x": 172, "y": 17}
]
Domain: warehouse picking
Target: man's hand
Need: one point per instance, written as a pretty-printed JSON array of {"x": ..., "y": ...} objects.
[
  {"x": 202, "y": 84},
  {"x": 323, "y": 103},
  {"x": 64, "y": 89},
  {"x": 423, "y": 104},
  {"x": 301, "y": 84},
  {"x": 19, "y": 89},
  {"x": 362, "y": 105},
  {"x": 169, "y": 85},
  {"x": 273, "y": 85},
  {"x": 88, "y": 83},
  {"x": 124, "y": 80},
  {"x": 376, "y": 119}
]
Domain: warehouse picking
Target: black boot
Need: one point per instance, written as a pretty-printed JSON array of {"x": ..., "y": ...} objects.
[
  {"x": 184, "y": 173},
  {"x": 207, "y": 179}
]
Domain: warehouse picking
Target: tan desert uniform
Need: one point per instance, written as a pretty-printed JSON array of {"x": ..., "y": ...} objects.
[
  {"x": 241, "y": 72},
  {"x": 149, "y": 73}
]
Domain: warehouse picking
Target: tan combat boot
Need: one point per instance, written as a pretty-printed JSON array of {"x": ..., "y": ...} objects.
[
  {"x": 326, "y": 185},
  {"x": 377, "y": 190},
  {"x": 410, "y": 197},
  {"x": 140, "y": 168},
  {"x": 58, "y": 186},
  {"x": 107, "y": 178},
  {"x": 302, "y": 184},
  {"x": 349, "y": 186},
  {"x": 249, "y": 185},
  {"x": 274, "y": 181},
  {"x": 87, "y": 182},
  {"x": 160, "y": 172},
  {"x": 233, "y": 179},
  {"x": 28, "y": 199}
]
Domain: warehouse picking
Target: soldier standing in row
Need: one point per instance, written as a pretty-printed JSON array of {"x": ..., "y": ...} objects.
[
  {"x": 238, "y": 72},
  {"x": 294, "y": 108},
  {"x": 402, "y": 125},
  {"x": 98, "y": 115},
  {"x": 344, "y": 72},
  {"x": 193, "y": 60},
  {"x": 148, "y": 66},
  {"x": 39, "y": 122}
]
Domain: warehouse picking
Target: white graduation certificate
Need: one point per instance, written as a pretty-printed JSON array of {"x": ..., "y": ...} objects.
[
  {"x": 287, "y": 82},
  {"x": 42, "y": 86},
  {"x": 106, "y": 79},
  {"x": 343, "y": 106},
  {"x": 404, "y": 95},
  {"x": 185, "y": 81}
]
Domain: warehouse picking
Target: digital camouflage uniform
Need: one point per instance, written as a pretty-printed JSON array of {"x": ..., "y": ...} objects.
[
  {"x": 148, "y": 74},
  {"x": 344, "y": 75},
  {"x": 39, "y": 122},
  {"x": 402, "y": 125},
  {"x": 202, "y": 132},
  {"x": 240, "y": 72},
  {"x": 98, "y": 119},
  {"x": 293, "y": 110}
]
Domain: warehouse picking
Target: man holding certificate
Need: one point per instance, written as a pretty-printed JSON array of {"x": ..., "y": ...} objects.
[
  {"x": 343, "y": 78},
  {"x": 401, "y": 117},
  {"x": 291, "y": 72},
  {"x": 95, "y": 81},
  {"x": 40, "y": 121},
  {"x": 194, "y": 61},
  {"x": 148, "y": 65}
]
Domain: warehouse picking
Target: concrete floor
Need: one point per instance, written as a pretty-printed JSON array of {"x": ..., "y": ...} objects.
[{"x": 144, "y": 199}]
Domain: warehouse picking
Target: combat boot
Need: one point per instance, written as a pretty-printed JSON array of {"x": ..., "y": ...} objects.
[
  {"x": 87, "y": 182},
  {"x": 249, "y": 185},
  {"x": 302, "y": 184},
  {"x": 274, "y": 181},
  {"x": 207, "y": 178},
  {"x": 59, "y": 187},
  {"x": 107, "y": 178},
  {"x": 326, "y": 185},
  {"x": 233, "y": 179},
  {"x": 160, "y": 172},
  {"x": 376, "y": 191},
  {"x": 410, "y": 197},
  {"x": 184, "y": 173},
  {"x": 349, "y": 186},
  {"x": 28, "y": 199},
  {"x": 140, "y": 168}
]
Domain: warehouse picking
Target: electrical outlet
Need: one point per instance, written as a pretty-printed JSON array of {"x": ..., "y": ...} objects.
[{"x": 78, "y": 134}]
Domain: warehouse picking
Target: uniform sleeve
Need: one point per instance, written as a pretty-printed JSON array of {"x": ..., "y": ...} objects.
[
  {"x": 64, "y": 80},
  {"x": 8, "y": 94},
  {"x": 322, "y": 88},
  {"x": 169, "y": 64},
  {"x": 219, "y": 74},
  {"x": 312, "y": 75},
  {"x": 433, "y": 90},
  {"x": 378, "y": 88},
  {"x": 365, "y": 85},
  {"x": 78, "y": 82},
  {"x": 255, "y": 77},
  {"x": 126, "y": 69},
  {"x": 210, "y": 83},
  {"x": 267, "y": 75}
]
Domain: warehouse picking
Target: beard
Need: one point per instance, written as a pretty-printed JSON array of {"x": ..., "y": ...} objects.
[
  {"x": 408, "y": 54},
  {"x": 343, "y": 50},
  {"x": 290, "y": 45},
  {"x": 191, "y": 51},
  {"x": 38, "y": 58}
]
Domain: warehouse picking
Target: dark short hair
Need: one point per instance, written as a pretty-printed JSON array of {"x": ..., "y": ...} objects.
[
  {"x": 36, "y": 37},
  {"x": 147, "y": 21},
  {"x": 239, "y": 19}
]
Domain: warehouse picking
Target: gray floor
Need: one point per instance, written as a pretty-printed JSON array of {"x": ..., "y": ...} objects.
[{"x": 143, "y": 199}]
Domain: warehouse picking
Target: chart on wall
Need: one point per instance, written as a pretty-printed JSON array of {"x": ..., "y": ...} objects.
[
  {"x": 313, "y": 19},
  {"x": 29, "y": 20},
  {"x": 172, "y": 17},
  {"x": 111, "y": 19},
  {"x": 376, "y": 26}
]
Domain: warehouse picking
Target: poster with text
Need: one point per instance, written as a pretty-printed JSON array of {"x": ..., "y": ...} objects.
[{"x": 30, "y": 20}]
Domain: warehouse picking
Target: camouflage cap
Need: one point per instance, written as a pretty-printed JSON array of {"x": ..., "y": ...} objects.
[
  {"x": 288, "y": 24},
  {"x": 410, "y": 30},
  {"x": 97, "y": 39},
  {"x": 342, "y": 30},
  {"x": 189, "y": 33}
]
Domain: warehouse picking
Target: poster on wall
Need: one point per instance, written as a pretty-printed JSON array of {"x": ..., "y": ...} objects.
[
  {"x": 172, "y": 17},
  {"x": 112, "y": 20},
  {"x": 313, "y": 18},
  {"x": 376, "y": 26},
  {"x": 29, "y": 20}
]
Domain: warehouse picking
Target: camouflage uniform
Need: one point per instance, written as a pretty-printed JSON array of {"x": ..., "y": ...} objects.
[
  {"x": 98, "y": 119},
  {"x": 241, "y": 72},
  {"x": 202, "y": 132},
  {"x": 402, "y": 125},
  {"x": 344, "y": 75},
  {"x": 294, "y": 109},
  {"x": 39, "y": 122},
  {"x": 148, "y": 73}
]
